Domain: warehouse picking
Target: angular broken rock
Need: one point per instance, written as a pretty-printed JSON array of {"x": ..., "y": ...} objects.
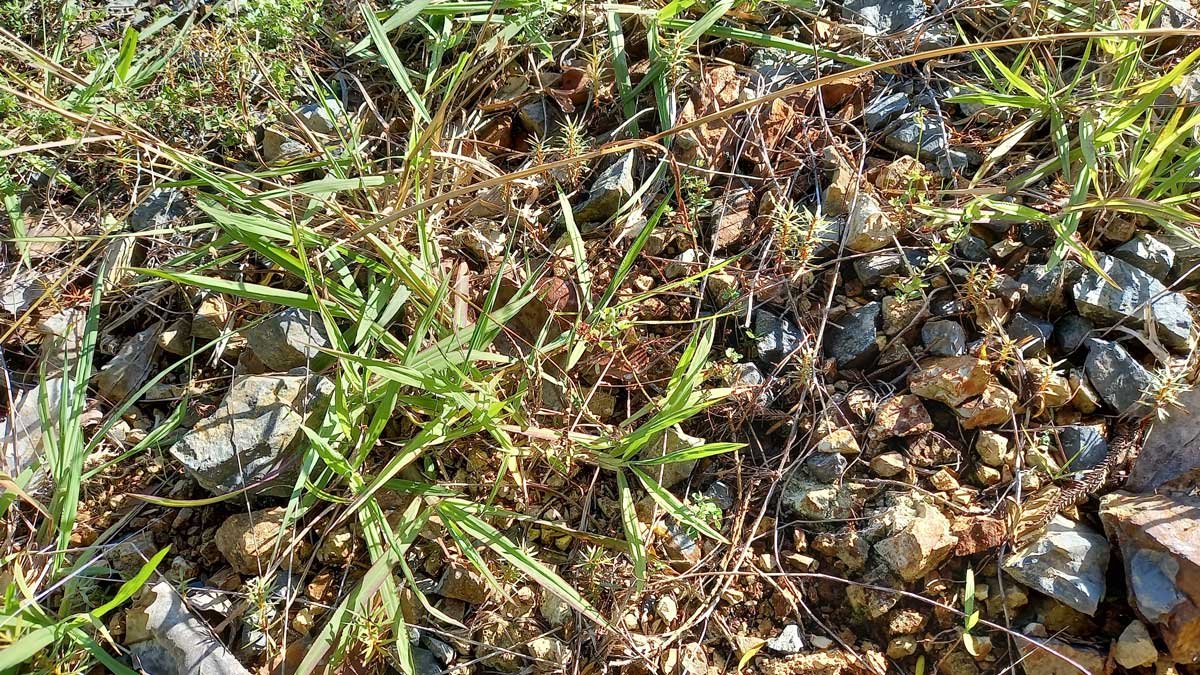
[
  {"x": 121, "y": 376},
  {"x": 1169, "y": 450},
  {"x": 612, "y": 188},
  {"x": 166, "y": 639},
  {"x": 868, "y": 227},
  {"x": 1045, "y": 657},
  {"x": 254, "y": 427},
  {"x": 850, "y": 341},
  {"x": 288, "y": 339},
  {"x": 1117, "y": 377},
  {"x": 915, "y": 549},
  {"x": 1134, "y": 295},
  {"x": 249, "y": 540},
  {"x": 900, "y": 416},
  {"x": 950, "y": 379},
  {"x": 1068, "y": 562},
  {"x": 1159, "y": 537},
  {"x": 994, "y": 406}
]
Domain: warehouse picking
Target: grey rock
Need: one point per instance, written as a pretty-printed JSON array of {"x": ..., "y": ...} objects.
[
  {"x": 780, "y": 68},
  {"x": 425, "y": 662},
  {"x": 1177, "y": 14},
  {"x": 826, "y": 467},
  {"x": 1045, "y": 287},
  {"x": 776, "y": 338},
  {"x": 884, "y": 109},
  {"x": 883, "y": 16},
  {"x": 160, "y": 210},
  {"x": 20, "y": 287},
  {"x": 944, "y": 338},
  {"x": 1135, "y": 290},
  {"x": 1117, "y": 377},
  {"x": 129, "y": 369},
  {"x": 789, "y": 641},
  {"x": 745, "y": 375},
  {"x": 937, "y": 35},
  {"x": 175, "y": 641},
  {"x": 922, "y": 134},
  {"x": 443, "y": 652},
  {"x": 288, "y": 339},
  {"x": 1083, "y": 445},
  {"x": 1030, "y": 333},
  {"x": 1067, "y": 562},
  {"x": 973, "y": 249},
  {"x": 1169, "y": 449},
  {"x": 318, "y": 118},
  {"x": 851, "y": 341},
  {"x": 1071, "y": 331},
  {"x": 255, "y": 426},
  {"x": 1187, "y": 256},
  {"x": 815, "y": 501},
  {"x": 612, "y": 188},
  {"x": 1152, "y": 577},
  {"x": 719, "y": 493},
  {"x": 871, "y": 269},
  {"x": 540, "y": 118},
  {"x": 1035, "y": 235},
  {"x": 668, "y": 441},
  {"x": 1147, "y": 254}
]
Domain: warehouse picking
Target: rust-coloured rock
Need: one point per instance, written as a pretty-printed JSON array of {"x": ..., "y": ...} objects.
[{"x": 950, "y": 379}]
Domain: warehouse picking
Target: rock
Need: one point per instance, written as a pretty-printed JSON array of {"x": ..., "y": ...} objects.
[
  {"x": 1084, "y": 398},
  {"x": 173, "y": 641},
  {"x": 776, "y": 339},
  {"x": 668, "y": 441},
  {"x": 1176, "y": 14},
  {"x": 872, "y": 269},
  {"x": 878, "y": 17},
  {"x": 462, "y": 584},
  {"x": 972, "y": 249},
  {"x": 1161, "y": 552},
  {"x": 944, "y": 338},
  {"x": 950, "y": 379},
  {"x": 1071, "y": 331},
  {"x": 902, "y": 174},
  {"x": 779, "y": 68},
  {"x": 288, "y": 339},
  {"x": 884, "y": 109},
  {"x": 840, "y": 441},
  {"x": 868, "y": 228},
  {"x": 851, "y": 341},
  {"x": 718, "y": 492},
  {"x": 732, "y": 219},
  {"x": 211, "y": 317},
  {"x": 818, "y": 501},
  {"x": 900, "y": 416},
  {"x": 667, "y": 609},
  {"x": 425, "y": 662},
  {"x": 993, "y": 449},
  {"x": 995, "y": 406},
  {"x": 826, "y": 467},
  {"x": 1045, "y": 287},
  {"x": 1147, "y": 254},
  {"x": 1041, "y": 657},
  {"x": 20, "y": 287},
  {"x": 128, "y": 556},
  {"x": 612, "y": 188},
  {"x": 922, "y": 134},
  {"x": 918, "y": 547},
  {"x": 540, "y": 118},
  {"x": 1067, "y": 562},
  {"x": 1118, "y": 378},
  {"x": 1126, "y": 302},
  {"x": 176, "y": 338},
  {"x": 1169, "y": 448},
  {"x": 128, "y": 370},
  {"x": 842, "y": 189},
  {"x": 889, "y": 464},
  {"x": 484, "y": 239},
  {"x": 249, "y": 540},
  {"x": 320, "y": 118},
  {"x": 1030, "y": 334},
  {"x": 337, "y": 547},
  {"x": 551, "y": 654},
  {"x": 159, "y": 210},
  {"x": 554, "y": 610},
  {"x": 789, "y": 641},
  {"x": 1083, "y": 446},
  {"x": 901, "y": 647},
  {"x": 1135, "y": 648},
  {"x": 256, "y": 425},
  {"x": 441, "y": 651},
  {"x": 683, "y": 265},
  {"x": 898, "y": 315}
]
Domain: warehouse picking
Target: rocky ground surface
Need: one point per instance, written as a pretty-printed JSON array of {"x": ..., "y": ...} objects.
[{"x": 910, "y": 388}]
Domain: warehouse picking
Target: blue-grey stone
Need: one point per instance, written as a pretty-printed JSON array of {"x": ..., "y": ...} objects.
[
  {"x": 851, "y": 340},
  {"x": 612, "y": 188},
  {"x": 826, "y": 467},
  {"x": 1147, "y": 254},
  {"x": 1035, "y": 235},
  {"x": 972, "y": 248},
  {"x": 1083, "y": 445},
  {"x": 871, "y": 268},
  {"x": 160, "y": 210},
  {"x": 1117, "y": 377},
  {"x": 1068, "y": 562},
  {"x": 883, "y": 16},
  {"x": 1071, "y": 331},
  {"x": 1044, "y": 287},
  {"x": 884, "y": 109},
  {"x": 719, "y": 493},
  {"x": 1152, "y": 576},
  {"x": 776, "y": 338},
  {"x": 944, "y": 338},
  {"x": 922, "y": 134},
  {"x": 1030, "y": 333},
  {"x": 1126, "y": 301},
  {"x": 288, "y": 339}
]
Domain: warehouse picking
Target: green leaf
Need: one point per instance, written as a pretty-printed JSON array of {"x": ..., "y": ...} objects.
[
  {"x": 125, "y": 55},
  {"x": 690, "y": 454},
  {"x": 392, "y": 60},
  {"x": 132, "y": 586},
  {"x": 519, "y": 558},
  {"x": 677, "y": 509},
  {"x": 633, "y": 535}
]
